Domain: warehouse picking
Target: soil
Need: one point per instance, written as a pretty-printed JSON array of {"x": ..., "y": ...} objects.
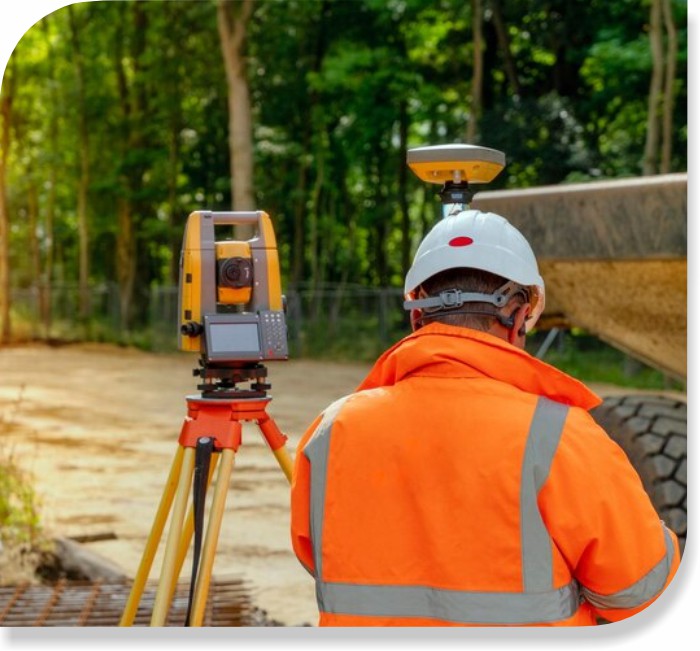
[{"x": 97, "y": 428}]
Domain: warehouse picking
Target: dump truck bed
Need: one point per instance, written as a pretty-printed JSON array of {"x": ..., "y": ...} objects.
[{"x": 613, "y": 255}]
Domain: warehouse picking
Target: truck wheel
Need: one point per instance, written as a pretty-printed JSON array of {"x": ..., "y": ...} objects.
[{"x": 652, "y": 430}]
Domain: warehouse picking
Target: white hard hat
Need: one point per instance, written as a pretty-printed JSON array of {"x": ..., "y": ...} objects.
[{"x": 478, "y": 240}]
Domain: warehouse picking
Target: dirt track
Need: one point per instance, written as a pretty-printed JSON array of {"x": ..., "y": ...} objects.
[{"x": 97, "y": 426}]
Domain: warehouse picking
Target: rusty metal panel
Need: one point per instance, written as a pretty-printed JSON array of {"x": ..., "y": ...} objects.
[{"x": 84, "y": 603}]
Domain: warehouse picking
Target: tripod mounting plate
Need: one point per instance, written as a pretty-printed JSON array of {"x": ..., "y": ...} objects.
[
  {"x": 456, "y": 163},
  {"x": 241, "y": 405},
  {"x": 221, "y": 381}
]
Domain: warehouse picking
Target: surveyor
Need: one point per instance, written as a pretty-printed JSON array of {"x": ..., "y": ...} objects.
[{"x": 464, "y": 482}]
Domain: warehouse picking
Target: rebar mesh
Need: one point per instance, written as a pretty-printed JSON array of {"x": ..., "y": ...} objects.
[{"x": 84, "y": 603}]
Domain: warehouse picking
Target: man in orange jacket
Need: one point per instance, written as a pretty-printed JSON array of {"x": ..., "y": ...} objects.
[{"x": 465, "y": 482}]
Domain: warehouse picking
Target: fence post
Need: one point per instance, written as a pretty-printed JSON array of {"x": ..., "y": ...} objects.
[{"x": 295, "y": 318}]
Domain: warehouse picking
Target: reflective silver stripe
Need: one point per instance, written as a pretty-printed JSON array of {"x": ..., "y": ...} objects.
[
  {"x": 536, "y": 544},
  {"x": 316, "y": 451},
  {"x": 459, "y": 606},
  {"x": 648, "y": 587}
]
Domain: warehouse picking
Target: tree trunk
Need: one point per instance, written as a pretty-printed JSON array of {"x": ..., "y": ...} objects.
[
  {"x": 175, "y": 237},
  {"x": 504, "y": 43},
  {"x": 34, "y": 247},
  {"x": 6, "y": 99},
  {"x": 403, "y": 190},
  {"x": 232, "y": 21},
  {"x": 316, "y": 243},
  {"x": 175, "y": 125},
  {"x": 84, "y": 180},
  {"x": 670, "y": 74},
  {"x": 47, "y": 276},
  {"x": 299, "y": 215},
  {"x": 173, "y": 170},
  {"x": 651, "y": 148},
  {"x": 133, "y": 107},
  {"x": 315, "y": 217},
  {"x": 124, "y": 248},
  {"x": 342, "y": 206},
  {"x": 126, "y": 262},
  {"x": 305, "y": 163},
  {"x": 382, "y": 217},
  {"x": 478, "y": 72}
]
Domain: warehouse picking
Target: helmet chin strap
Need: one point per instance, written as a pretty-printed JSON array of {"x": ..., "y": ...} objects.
[
  {"x": 449, "y": 301},
  {"x": 506, "y": 321}
]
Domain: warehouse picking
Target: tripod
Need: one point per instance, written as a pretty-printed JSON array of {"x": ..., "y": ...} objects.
[{"x": 216, "y": 422}]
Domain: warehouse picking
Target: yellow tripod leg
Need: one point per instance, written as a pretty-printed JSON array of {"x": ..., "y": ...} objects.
[
  {"x": 149, "y": 552},
  {"x": 284, "y": 461},
  {"x": 189, "y": 530},
  {"x": 275, "y": 440},
  {"x": 212, "y": 537},
  {"x": 167, "y": 575}
]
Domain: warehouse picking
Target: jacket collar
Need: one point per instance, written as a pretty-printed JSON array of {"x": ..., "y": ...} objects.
[{"x": 438, "y": 349}]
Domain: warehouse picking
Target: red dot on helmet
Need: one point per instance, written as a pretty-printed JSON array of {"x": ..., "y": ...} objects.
[{"x": 462, "y": 240}]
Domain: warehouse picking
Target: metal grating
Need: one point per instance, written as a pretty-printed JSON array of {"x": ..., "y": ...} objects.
[{"x": 84, "y": 603}]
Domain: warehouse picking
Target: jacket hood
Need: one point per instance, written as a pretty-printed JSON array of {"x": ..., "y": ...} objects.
[{"x": 450, "y": 350}]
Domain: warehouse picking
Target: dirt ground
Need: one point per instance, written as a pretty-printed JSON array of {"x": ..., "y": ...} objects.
[{"x": 97, "y": 427}]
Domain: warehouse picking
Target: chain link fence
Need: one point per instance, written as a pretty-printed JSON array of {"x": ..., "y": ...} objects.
[
  {"x": 43, "y": 313},
  {"x": 332, "y": 320},
  {"x": 339, "y": 321}
]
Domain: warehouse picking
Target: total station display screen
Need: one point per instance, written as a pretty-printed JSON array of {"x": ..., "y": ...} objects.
[{"x": 233, "y": 337}]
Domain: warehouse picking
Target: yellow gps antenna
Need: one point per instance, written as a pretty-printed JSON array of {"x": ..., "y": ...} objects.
[{"x": 456, "y": 167}]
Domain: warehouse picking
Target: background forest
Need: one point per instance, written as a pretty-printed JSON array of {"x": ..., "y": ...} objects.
[{"x": 120, "y": 118}]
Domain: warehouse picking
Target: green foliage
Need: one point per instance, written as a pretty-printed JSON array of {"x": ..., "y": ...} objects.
[
  {"x": 22, "y": 541},
  {"x": 338, "y": 90},
  {"x": 351, "y": 339},
  {"x": 19, "y": 517},
  {"x": 590, "y": 360}
]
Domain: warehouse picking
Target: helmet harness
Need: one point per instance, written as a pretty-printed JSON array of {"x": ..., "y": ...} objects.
[{"x": 476, "y": 240}]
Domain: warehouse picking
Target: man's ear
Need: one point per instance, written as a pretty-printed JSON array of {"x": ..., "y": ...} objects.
[{"x": 516, "y": 335}]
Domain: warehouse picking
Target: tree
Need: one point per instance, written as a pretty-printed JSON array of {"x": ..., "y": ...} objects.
[
  {"x": 651, "y": 147},
  {"x": 669, "y": 89},
  {"x": 52, "y": 181},
  {"x": 6, "y": 99},
  {"x": 84, "y": 182},
  {"x": 503, "y": 39},
  {"x": 478, "y": 71},
  {"x": 123, "y": 119},
  {"x": 659, "y": 133},
  {"x": 232, "y": 22}
]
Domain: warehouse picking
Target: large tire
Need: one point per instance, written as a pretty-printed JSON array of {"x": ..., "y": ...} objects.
[{"x": 652, "y": 430}]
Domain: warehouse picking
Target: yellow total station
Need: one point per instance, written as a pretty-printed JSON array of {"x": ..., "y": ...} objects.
[
  {"x": 227, "y": 275},
  {"x": 231, "y": 312}
]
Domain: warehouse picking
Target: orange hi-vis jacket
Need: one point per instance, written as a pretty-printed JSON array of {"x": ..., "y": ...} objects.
[{"x": 465, "y": 483}]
